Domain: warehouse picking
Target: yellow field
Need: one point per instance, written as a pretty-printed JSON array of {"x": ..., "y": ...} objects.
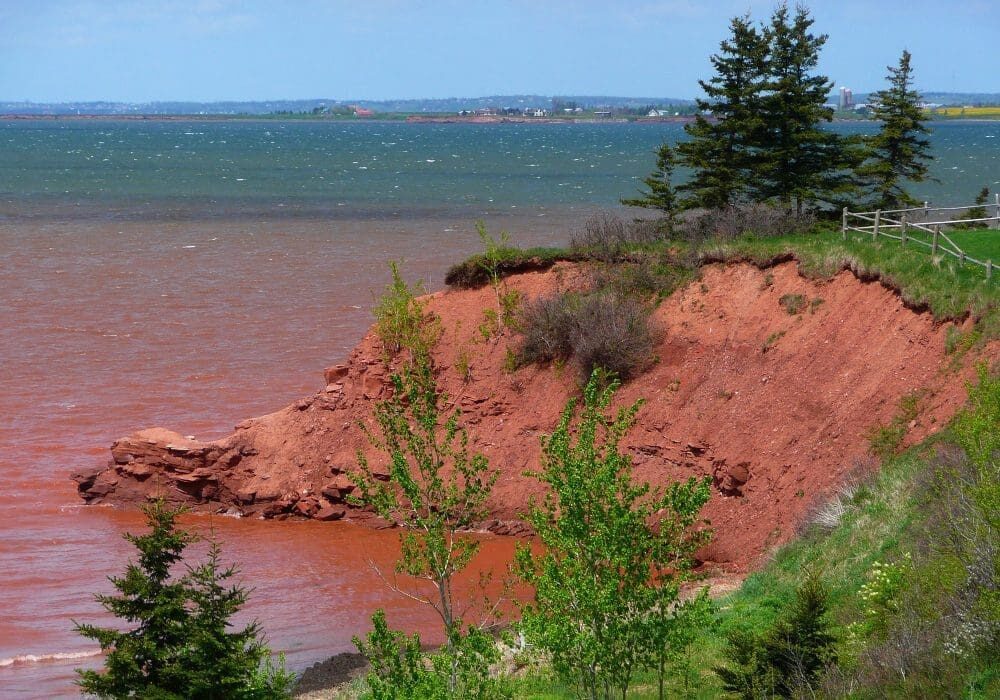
[{"x": 967, "y": 111}]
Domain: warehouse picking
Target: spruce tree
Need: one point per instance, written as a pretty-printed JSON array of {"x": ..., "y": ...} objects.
[
  {"x": 799, "y": 163},
  {"x": 660, "y": 195},
  {"x": 144, "y": 660},
  {"x": 179, "y": 645},
  {"x": 900, "y": 151},
  {"x": 723, "y": 151}
]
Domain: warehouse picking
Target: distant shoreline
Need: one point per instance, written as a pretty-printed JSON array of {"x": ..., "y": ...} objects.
[{"x": 407, "y": 119}]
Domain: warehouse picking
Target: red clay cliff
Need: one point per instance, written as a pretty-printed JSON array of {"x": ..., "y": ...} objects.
[{"x": 776, "y": 408}]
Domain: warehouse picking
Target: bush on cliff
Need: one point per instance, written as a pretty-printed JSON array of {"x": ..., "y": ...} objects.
[
  {"x": 180, "y": 646},
  {"x": 603, "y": 329}
]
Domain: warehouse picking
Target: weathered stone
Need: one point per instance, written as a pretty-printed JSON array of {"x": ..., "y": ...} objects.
[
  {"x": 332, "y": 374},
  {"x": 330, "y": 513}
]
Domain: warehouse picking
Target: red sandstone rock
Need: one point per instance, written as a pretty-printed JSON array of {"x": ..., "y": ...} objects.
[
  {"x": 774, "y": 430},
  {"x": 331, "y": 513}
]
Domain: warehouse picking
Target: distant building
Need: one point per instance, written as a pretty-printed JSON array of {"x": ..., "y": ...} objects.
[
  {"x": 846, "y": 99},
  {"x": 535, "y": 112},
  {"x": 363, "y": 112},
  {"x": 486, "y": 112},
  {"x": 658, "y": 113}
]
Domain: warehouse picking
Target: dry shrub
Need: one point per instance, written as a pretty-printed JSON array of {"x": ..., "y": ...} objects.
[
  {"x": 613, "y": 332},
  {"x": 607, "y": 237},
  {"x": 761, "y": 220},
  {"x": 546, "y": 324},
  {"x": 603, "y": 329}
]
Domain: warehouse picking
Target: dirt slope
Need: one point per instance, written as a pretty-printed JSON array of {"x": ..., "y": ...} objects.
[{"x": 775, "y": 407}]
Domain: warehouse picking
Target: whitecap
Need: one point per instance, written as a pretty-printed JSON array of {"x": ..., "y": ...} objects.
[
  {"x": 58, "y": 656},
  {"x": 430, "y": 160},
  {"x": 189, "y": 246}
]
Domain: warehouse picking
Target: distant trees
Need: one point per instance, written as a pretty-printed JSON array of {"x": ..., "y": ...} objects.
[
  {"x": 722, "y": 151},
  {"x": 180, "y": 645},
  {"x": 797, "y": 162},
  {"x": 760, "y": 139},
  {"x": 900, "y": 151}
]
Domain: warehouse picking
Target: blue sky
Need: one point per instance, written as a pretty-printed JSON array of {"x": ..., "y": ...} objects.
[{"x": 144, "y": 50}]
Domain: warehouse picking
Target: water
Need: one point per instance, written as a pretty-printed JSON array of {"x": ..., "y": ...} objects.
[{"x": 192, "y": 274}]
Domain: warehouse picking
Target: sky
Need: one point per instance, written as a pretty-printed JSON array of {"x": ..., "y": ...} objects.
[{"x": 206, "y": 50}]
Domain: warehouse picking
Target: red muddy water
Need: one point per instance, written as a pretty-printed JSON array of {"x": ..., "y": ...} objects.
[{"x": 110, "y": 327}]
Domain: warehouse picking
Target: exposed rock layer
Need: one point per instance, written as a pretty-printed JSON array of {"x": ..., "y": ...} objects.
[{"x": 776, "y": 408}]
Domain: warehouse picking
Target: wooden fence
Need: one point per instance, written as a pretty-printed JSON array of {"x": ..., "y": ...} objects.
[{"x": 923, "y": 226}]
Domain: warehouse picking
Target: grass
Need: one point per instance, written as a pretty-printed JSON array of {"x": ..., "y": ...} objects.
[
  {"x": 948, "y": 290},
  {"x": 943, "y": 286}
]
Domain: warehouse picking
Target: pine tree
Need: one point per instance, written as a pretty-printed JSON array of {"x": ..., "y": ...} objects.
[
  {"x": 723, "y": 151},
  {"x": 179, "y": 646},
  {"x": 799, "y": 163},
  {"x": 660, "y": 194},
  {"x": 220, "y": 663},
  {"x": 899, "y": 152},
  {"x": 146, "y": 659}
]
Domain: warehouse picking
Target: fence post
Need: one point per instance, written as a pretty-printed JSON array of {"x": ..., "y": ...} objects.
[
  {"x": 902, "y": 228},
  {"x": 934, "y": 244},
  {"x": 989, "y": 269},
  {"x": 926, "y": 211},
  {"x": 996, "y": 203},
  {"x": 878, "y": 215},
  {"x": 843, "y": 224}
]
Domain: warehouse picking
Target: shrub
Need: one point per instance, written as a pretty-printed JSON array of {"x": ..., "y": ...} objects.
[
  {"x": 607, "y": 584},
  {"x": 612, "y": 332},
  {"x": 608, "y": 238},
  {"x": 794, "y": 304},
  {"x": 758, "y": 220},
  {"x": 435, "y": 489},
  {"x": 401, "y": 321},
  {"x": 602, "y": 329},
  {"x": 547, "y": 325},
  {"x": 649, "y": 277}
]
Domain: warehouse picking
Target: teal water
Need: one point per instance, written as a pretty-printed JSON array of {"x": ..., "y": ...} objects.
[{"x": 237, "y": 169}]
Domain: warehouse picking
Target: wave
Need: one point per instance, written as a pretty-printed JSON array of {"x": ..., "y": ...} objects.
[{"x": 24, "y": 659}]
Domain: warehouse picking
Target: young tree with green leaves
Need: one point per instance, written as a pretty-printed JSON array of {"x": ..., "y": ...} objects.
[
  {"x": 798, "y": 162},
  {"x": 179, "y": 646},
  {"x": 899, "y": 152},
  {"x": 435, "y": 489},
  {"x": 604, "y": 584},
  {"x": 723, "y": 151},
  {"x": 660, "y": 194}
]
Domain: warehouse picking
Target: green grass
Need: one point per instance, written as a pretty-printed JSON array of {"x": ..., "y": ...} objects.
[
  {"x": 943, "y": 286},
  {"x": 948, "y": 290}
]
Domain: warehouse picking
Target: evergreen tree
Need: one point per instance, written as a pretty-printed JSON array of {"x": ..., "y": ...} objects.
[
  {"x": 799, "y": 163},
  {"x": 899, "y": 152},
  {"x": 660, "y": 195},
  {"x": 787, "y": 659},
  {"x": 723, "y": 151},
  {"x": 179, "y": 646}
]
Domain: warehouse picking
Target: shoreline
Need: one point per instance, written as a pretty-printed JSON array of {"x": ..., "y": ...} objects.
[{"x": 404, "y": 118}]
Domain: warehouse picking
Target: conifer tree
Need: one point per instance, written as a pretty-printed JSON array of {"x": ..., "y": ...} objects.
[
  {"x": 799, "y": 163},
  {"x": 179, "y": 646},
  {"x": 723, "y": 151},
  {"x": 900, "y": 151},
  {"x": 660, "y": 195}
]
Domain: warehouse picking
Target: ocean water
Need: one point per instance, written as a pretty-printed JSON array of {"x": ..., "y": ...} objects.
[{"x": 191, "y": 274}]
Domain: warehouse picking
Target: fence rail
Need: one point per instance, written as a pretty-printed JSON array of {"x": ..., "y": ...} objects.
[{"x": 918, "y": 219}]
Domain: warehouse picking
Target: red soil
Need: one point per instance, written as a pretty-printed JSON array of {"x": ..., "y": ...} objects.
[{"x": 777, "y": 425}]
